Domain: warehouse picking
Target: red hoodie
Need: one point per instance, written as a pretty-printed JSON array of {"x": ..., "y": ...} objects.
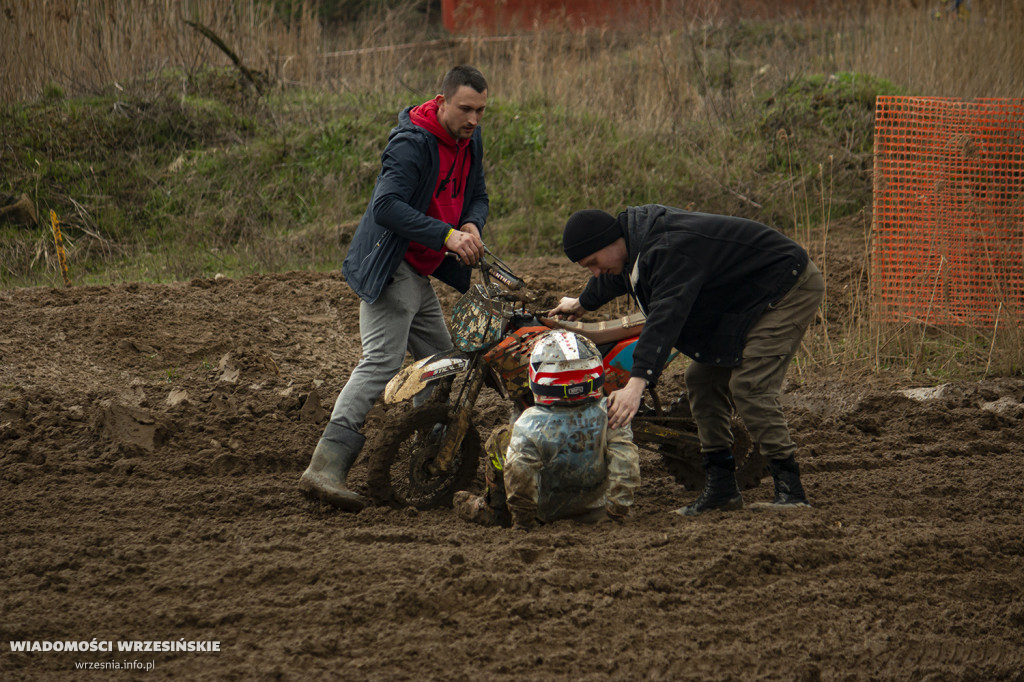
[{"x": 450, "y": 188}]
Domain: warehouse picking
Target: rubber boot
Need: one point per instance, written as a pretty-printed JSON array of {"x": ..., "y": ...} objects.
[
  {"x": 720, "y": 488},
  {"x": 324, "y": 478},
  {"x": 477, "y": 509},
  {"x": 491, "y": 508},
  {"x": 789, "y": 492}
]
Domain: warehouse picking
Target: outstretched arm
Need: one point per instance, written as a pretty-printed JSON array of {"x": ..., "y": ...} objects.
[
  {"x": 569, "y": 308},
  {"x": 522, "y": 481},
  {"x": 623, "y": 404},
  {"x": 623, "y": 471}
]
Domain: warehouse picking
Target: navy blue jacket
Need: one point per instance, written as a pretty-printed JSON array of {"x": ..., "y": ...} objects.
[
  {"x": 397, "y": 213},
  {"x": 702, "y": 280}
]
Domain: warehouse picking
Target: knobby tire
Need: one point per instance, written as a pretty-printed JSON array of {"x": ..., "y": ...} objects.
[{"x": 399, "y": 473}]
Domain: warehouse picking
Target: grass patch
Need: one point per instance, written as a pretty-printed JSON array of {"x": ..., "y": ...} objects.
[{"x": 189, "y": 185}]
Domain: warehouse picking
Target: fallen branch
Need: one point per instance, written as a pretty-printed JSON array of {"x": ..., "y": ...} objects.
[{"x": 213, "y": 38}]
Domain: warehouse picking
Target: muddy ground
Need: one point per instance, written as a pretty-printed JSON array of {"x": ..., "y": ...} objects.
[{"x": 151, "y": 438}]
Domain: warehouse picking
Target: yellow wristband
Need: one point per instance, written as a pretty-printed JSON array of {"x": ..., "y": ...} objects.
[{"x": 448, "y": 235}]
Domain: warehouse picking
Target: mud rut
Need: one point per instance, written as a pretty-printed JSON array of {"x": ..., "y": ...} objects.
[{"x": 151, "y": 437}]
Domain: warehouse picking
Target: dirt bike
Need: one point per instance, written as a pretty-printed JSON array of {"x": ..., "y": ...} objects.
[{"x": 433, "y": 448}]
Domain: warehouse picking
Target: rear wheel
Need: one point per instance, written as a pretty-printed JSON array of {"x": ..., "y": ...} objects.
[
  {"x": 403, "y": 469},
  {"x": 683, "y": 459}
]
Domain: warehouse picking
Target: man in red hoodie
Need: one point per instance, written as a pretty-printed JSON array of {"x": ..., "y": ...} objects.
[{"x": 430, "y": 198}]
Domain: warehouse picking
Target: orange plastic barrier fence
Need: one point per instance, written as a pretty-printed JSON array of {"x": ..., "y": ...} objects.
[{"x": 948, "y": 244}]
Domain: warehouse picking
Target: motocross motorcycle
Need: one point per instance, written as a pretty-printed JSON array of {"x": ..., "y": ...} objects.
[{"x": 434, "y": 448}]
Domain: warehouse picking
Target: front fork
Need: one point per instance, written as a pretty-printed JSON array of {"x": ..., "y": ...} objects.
[{"x": 461, "y": 416}]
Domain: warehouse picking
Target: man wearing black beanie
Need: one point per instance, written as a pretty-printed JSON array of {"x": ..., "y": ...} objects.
[{"x": 735, "y": 296}]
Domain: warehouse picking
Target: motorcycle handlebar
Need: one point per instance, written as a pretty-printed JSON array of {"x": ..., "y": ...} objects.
[
  {"x": 498, "y": 270},
  {"x": 502, "y": 275}
]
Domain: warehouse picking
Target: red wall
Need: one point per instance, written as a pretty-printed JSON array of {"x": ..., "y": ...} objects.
[
  {"x": 497, "y": 16},
  {"x": 500, "y": 16}
]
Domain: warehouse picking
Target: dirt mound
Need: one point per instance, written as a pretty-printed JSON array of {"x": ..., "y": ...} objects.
[{"x": 151, "y": 438}]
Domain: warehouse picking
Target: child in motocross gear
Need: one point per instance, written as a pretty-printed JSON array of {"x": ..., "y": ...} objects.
[{"x": 559, "y": 459}]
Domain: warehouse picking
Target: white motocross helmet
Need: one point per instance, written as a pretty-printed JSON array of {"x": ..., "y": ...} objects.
[{"x": 565, "y": 368}]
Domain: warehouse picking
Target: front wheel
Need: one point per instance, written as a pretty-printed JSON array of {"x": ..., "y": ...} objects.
[{"x": 402, "y": 467}]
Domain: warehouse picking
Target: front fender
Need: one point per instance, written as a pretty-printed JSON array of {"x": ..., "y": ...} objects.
[{"x": 420, "y": 374}]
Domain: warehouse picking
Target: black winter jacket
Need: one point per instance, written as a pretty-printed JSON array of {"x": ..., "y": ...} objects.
[
  {"x": 702, "y": 280},
  {"x": 397, "y": 213}
]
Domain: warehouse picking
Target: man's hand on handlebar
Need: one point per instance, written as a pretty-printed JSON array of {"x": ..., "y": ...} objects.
[
  {"x": 568, "y": 308},
  {"x": 466, "y": 244}
]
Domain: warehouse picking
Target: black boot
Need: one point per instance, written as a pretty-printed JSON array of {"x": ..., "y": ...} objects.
[
  {"x": 789, "y": 492},
  {"x": 324, "y": 478},
  {"x": 720, "y": 489}
]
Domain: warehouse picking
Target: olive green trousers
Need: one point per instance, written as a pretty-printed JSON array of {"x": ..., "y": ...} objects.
[{"x": 752, "y": 389}]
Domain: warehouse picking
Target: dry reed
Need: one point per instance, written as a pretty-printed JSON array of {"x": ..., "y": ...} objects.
[
  {"x": 660, "y": 77},
  {"x": 653, "y": 76}
]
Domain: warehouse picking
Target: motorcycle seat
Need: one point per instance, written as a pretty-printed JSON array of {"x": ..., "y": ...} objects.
[{"x": 607, "y": 331}]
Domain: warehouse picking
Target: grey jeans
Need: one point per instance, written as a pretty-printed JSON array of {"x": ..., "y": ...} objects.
[
  {"x": 406, "y": 317},
  {"x": 754, "y": 386}
]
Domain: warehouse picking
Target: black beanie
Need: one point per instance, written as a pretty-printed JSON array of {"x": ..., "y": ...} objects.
[{"x": 587, "y": 232}]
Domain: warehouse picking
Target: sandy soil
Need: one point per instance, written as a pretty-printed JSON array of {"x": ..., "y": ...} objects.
[{"x": 151, "y": 438}]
